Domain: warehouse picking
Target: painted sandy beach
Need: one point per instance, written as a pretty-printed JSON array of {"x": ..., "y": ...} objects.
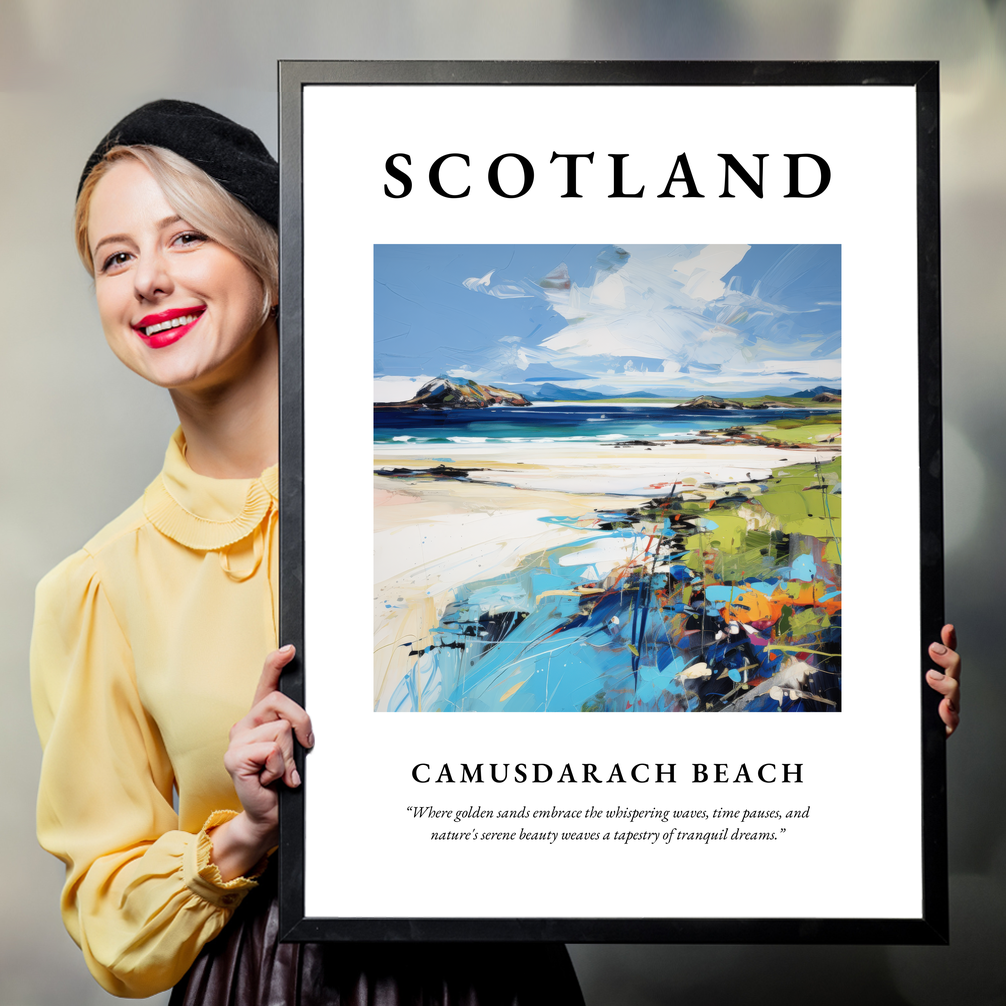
[
  {"x": 630, "y": 547},
  {"x": 505, "y": 543}
]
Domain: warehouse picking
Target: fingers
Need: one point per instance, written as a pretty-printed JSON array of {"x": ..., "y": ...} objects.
[
  {"x": 261, "y": 749},
  {"x": 948, "y": 660},
  {"x": 271, "y": 671},
  {"x": 270, "y": 756},
  {"x": 945, "y": 653},
  {"x": 949, "y": 712},
  {"x": 270, "y": 703},
  {"x": 947, "y": 680},
  {"x": 949, "y": 688},
  {"x": 950, "y": 716},
  {"x": 277, "y": 706},
  {"x": 949, "y": 636},
  {"x": 265, "y": 751},
  {"x": 279, "y": 764},
  {"x": 262, "y": 761}
]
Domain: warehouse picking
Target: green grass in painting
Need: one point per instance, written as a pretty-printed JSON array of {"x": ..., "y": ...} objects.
[
  {"x": 754, "y": 521},
  {"x": 826, "y": 428}
]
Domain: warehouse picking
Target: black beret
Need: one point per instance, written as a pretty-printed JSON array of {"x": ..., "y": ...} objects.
[{"x": 231, "y": 154}]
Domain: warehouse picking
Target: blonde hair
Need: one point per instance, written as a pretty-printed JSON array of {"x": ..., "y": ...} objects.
[{"x": 199, "y": 200}]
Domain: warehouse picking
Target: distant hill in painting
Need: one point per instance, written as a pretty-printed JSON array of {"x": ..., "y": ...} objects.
[
  {"x": 712, "y": 402},
  {"x": 553, "y": 393},
  {"x": 549, "y": 392},
  {"x": 819, "y": 390},
  {"x": 444, "y": 393},
  {"x": 457, "y": 393}
]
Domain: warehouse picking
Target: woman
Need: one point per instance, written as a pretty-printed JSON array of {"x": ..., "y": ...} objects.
[{"x": 148, "y": 643}]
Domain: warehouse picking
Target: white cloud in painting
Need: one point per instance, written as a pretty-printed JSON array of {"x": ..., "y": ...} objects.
[
  {"x": 466, "y": 373},
  {"x": 705, "y": 271},
  {"x": 673, "y": 305},
  {"x": 513, "y": 360},
  {"x": 503, "y": 291}
]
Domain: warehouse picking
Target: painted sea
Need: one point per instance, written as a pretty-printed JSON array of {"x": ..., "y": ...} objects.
[
  {"x": 659, "y": 548},
  {"x": 548, "y": 422}
]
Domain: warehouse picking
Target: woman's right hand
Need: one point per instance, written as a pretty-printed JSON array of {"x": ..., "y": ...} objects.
[{"x": 260, "y": 753}]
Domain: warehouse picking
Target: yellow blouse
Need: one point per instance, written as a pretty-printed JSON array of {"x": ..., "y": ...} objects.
[{"x": 147, "y": 647}]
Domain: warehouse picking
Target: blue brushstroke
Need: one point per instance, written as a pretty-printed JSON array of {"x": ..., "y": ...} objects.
[{"x": 528, "y": 641}]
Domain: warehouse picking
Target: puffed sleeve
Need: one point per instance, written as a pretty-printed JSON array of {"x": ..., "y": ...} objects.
[{"x": 141, "y": 898}]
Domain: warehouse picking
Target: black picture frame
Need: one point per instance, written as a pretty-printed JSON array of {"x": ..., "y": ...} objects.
[{"x": 932, "y": 925}]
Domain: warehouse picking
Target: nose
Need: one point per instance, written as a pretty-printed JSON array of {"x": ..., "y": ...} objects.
[{"x": 152, "y": 277}]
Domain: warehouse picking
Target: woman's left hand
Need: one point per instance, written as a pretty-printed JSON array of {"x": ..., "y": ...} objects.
[{"x": 948, "y": 681}]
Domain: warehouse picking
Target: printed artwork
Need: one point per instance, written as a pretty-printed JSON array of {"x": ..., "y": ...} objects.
[{"x": 607, "y": 478}]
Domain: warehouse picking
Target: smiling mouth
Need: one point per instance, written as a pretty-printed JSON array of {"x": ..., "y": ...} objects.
[
  {"x": 165, "y": 323},
  {"x": 185, "y": 319},
  {"x": 167, "y": 327}
]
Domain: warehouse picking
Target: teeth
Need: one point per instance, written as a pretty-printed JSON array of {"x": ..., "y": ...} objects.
[{"x": 174, "y": 323}]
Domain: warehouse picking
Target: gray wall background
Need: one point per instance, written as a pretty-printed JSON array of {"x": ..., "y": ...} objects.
[{"x": 82, "y": 436}]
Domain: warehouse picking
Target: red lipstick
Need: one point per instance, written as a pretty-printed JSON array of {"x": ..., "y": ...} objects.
[{"x": 166, "y": 327}]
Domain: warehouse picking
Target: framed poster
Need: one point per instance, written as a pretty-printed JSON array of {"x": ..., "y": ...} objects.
[{"x": 572, "y": 354}]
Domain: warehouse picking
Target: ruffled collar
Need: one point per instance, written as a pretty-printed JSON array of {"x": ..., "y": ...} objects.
[{"x": 203, "y": 513}]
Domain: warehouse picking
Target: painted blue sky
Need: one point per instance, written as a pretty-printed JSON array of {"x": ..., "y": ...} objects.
[{"x": 672, "y": 319}]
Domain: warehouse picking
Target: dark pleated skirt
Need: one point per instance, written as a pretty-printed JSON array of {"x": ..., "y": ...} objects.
[{"x": 246, "y": 965}]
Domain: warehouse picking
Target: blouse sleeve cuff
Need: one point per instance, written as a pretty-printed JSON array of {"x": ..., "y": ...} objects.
[{"x": 202, "y": 876}]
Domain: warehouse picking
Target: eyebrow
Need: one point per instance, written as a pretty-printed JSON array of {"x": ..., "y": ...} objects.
[{"x": 160, "y": 225}]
